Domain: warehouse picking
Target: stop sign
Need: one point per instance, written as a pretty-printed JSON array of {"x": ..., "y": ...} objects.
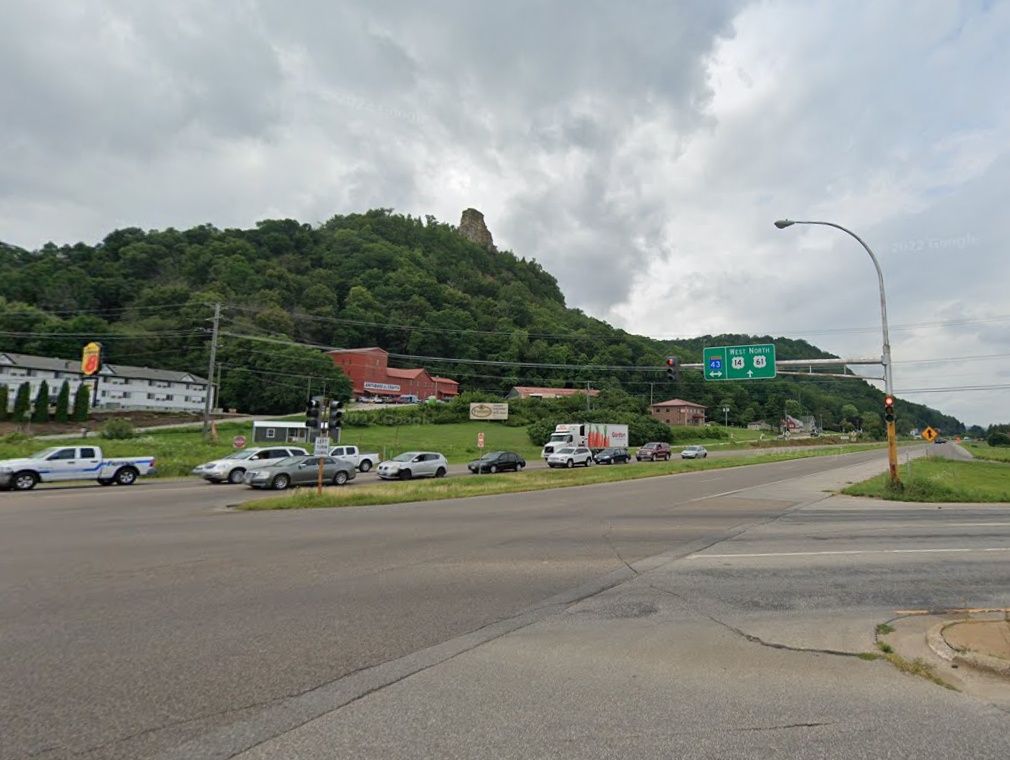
[{"x": 238, "y": 442}]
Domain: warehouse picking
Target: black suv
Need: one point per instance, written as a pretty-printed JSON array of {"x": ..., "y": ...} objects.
[
  {"x": 653, "y": 451},
  {"x": 497, "y": 461}
]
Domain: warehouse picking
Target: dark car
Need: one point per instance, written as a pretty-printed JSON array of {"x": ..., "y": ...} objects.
[
  {"x": 497, "y": 461},
  {"x": 613, "y": 456}
]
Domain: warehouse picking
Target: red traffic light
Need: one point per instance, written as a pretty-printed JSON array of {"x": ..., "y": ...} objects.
[
  {"x": 889, "y": 401},
  {"x": 669, "y": 362}
]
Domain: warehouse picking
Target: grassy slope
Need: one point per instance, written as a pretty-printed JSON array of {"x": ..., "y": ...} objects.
[{"x": 942, "y": 480}]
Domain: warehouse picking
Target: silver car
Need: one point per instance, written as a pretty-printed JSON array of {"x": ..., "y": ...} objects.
[
  {"x": 694, "y": 452},
  {"x": 414, "y": 464},
  {"x": 232, "y": 468},
  {"x": 570, "y": 456},
  {"x": 300, "y": 471}
]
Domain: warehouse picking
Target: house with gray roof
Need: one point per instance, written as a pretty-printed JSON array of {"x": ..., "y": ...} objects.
[{"x": 119, "y": 386}]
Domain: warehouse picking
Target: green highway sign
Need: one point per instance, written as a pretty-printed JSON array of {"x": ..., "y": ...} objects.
[{"x": 740, "y": 362}]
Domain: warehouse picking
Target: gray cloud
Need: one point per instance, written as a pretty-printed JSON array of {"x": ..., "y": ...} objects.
[{"x": 639, "y": 152}]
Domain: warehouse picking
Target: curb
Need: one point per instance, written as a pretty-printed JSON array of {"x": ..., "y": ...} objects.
[{"x": 973, "y": 660}]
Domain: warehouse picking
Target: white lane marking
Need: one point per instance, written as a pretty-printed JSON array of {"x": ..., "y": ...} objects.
[
  {"x": 709, "y": 480},
  {"x": 850, "y": 551},
  {"x": 977, "y": 525}
]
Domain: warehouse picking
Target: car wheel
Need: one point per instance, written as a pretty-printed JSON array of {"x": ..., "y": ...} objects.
[
  {"x": 519, "y": 467},
  {"x": 652, "y": 458},
  {"x": 365, "y": 465},
  {"x": 340, "y": 478},
  {"x": 236, "y": 476},
  {"x": 281, "y": 482},
  {"x": 570, "y": 463},
  {"x": 404, "y": 474},
  {"x": 492, "y": 469},
  {"x": 589, "y": 462},
  {"x": 24, "y": 481},
  {"x": 440, "y": 472},
  {"x": 126, "y": 476}
]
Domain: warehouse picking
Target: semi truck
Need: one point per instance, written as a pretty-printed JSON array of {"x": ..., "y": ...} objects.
[{"x": 594, "y": 435}]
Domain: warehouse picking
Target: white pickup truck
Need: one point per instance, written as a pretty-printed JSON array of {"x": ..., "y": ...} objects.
[
  {"x": 363, "y": 461},
  {"x": 63, "y": 463}
]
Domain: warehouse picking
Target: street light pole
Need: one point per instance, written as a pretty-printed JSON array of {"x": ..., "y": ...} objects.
[{"x": 892, "y": 446}]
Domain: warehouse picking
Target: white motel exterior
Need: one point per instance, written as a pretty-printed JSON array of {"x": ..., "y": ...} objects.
[{"x": 119, "y": 386}]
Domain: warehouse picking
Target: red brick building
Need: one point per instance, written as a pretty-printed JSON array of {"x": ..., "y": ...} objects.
[
  {"x": 372, "y": 377},
  {"x": 678, "y": 412}
]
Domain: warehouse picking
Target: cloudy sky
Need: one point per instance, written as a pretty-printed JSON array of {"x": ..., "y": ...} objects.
[{"x": 639, "y": 151}]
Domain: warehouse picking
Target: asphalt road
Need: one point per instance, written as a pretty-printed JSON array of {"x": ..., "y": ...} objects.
[
  {"x": 746, "y": 649},
  {"x": 137, "y": 622}
]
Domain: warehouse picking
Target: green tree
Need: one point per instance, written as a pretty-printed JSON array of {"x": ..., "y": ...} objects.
[
  {"x": 63, "y": 403},
  {"x": 4, "y": 403},
  {"x": 82, "y": 403},
  {"x": 22, "y": 402},
  {"x": 41, "y": 413},
  {"x": 849, "y": 412}
]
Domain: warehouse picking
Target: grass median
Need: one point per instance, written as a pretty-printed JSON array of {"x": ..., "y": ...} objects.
[
  {"x": 941, "y": 481},
  {"x": 464, "y": 486}
]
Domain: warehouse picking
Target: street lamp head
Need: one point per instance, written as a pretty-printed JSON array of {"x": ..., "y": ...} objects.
[{"x": 783, "y": 223}]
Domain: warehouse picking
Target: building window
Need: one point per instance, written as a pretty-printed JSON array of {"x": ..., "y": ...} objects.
[{"x": 271, "y": 433}]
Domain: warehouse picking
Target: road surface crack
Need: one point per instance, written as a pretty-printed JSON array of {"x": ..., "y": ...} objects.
[
  {"x": 786, "y": 727},
  {"x": 606, "y": 537},
  {"x": 749, "y": 636}
]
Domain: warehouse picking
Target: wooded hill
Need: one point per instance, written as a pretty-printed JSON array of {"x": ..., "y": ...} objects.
[{"x": 415, "y": 287}]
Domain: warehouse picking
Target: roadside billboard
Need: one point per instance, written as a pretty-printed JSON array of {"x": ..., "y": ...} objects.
[{"x": 482, "y": 411}]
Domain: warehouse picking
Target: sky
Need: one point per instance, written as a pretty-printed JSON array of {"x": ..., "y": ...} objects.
[{"x": 640, "y": 152}]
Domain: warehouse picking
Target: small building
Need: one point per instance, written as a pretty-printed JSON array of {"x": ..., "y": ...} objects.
[
  {"x": 372, "y": 377},
  {"x": 678, "y": 412},
  {"x": 758, "y": 425},
  {"x": 272, "y": 432},
  {"x": 522, "y": 391}
]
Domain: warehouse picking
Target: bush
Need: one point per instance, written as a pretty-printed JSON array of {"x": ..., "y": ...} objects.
[
  {"x": 118, "y": 429},
  {"x": 998, "y": 439}
]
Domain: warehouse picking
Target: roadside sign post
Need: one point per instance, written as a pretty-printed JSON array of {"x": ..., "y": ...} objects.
[
  {"x": 739, "y": 362},
  {"x": 929, "y": 434},
  {"x": 480, "y": 440},
  {"x": 238, "y": 441}
]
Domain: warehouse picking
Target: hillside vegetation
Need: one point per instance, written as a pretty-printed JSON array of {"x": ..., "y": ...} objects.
[{"x": 414, "y": 287}]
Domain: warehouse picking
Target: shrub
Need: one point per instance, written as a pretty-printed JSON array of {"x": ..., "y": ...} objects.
[
  {"x": 998, "y": 439},
  {"x": 118, "y": 429}
]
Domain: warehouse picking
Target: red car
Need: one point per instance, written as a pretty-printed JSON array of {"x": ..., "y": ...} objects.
[{"x": 653, "y": 451}]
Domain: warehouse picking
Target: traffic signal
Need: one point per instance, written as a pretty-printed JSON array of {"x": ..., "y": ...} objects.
[
  {"x": 889, "y": 409},
  {"x": 336, "y": 414},
  {"x": 312, "y": 410},
  {"x": 672, "y": 368}
]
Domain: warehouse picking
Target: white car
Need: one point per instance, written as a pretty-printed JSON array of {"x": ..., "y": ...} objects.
[
  {"x": 232, "y": 468},
  {"x": 570, "y": 456},
  {"x": 414, "y": 464},
  {"x": 694, "y": 452}
]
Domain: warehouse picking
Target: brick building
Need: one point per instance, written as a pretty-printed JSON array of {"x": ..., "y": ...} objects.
[
  {"x": 372, "y": 377},
  {"x": 523, "y": 391},
  {"x": 678, "y": 412}
]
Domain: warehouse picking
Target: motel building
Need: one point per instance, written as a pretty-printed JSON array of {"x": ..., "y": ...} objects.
[{"x": 373, "y": 378}]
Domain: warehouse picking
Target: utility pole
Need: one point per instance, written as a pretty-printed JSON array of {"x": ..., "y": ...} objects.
[
  {"x": 210, "y": 370},
  {"x": 587, "y": 396}
]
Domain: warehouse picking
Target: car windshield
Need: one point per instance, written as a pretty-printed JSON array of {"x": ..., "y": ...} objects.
[
  {"x": 407, "y": 457},
  {"x": 241, "y": 454},
  {"x": 609, "y": 451},
  {"x": 566, "y": 451},
  {"x": 492, "y": 455},
  {"x": 560, "y": 437},
  {"x": 45, "y": 453},
  {"x": 285, "y": 462}
]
